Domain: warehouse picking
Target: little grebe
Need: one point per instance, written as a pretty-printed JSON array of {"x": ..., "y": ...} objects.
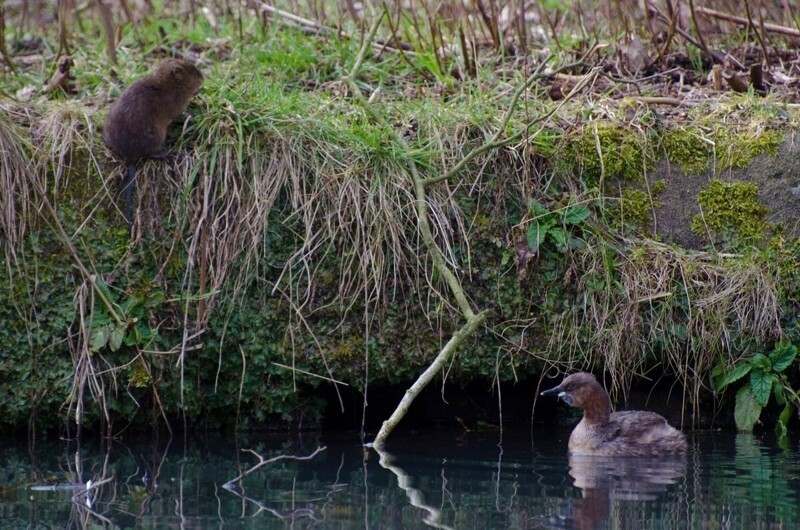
[{"x": 601, "y": 432}]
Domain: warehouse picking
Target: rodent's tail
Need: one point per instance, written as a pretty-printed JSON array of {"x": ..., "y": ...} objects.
[{"x": 127, "y": 186}]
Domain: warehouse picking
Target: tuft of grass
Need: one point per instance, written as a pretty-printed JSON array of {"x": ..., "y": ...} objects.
[
  {"x": 16, "y": 193},
  {"x": 689, "y": 308}
]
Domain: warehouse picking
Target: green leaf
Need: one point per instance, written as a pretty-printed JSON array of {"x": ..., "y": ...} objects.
[
  {"x": 115, "y": 340},
  {"x": 739, "y": 371},
  {"x": 100, "y": 337},
  {"x": 536, "y": 235},
  {"x": 577, "y": 244},
  {"x": 778, "y": 392},
  {"x": 155, "y": 299},
  {"x": 760, "y": 360},
  {"x": 679, "y": 332},
  {"x": 747, "y": 410},
  {"x": 783, "y": 356},
  {"x": 537, "y": 209},
  {"x": 761, "y": 384},
  {"x": 560, "y": 238},
  {"x": 783, "y": 420},
  {"x": 576, "y": 214}
]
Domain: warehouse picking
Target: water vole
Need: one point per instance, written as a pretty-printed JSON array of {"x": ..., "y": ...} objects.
[{"x": 136, "y": 124}]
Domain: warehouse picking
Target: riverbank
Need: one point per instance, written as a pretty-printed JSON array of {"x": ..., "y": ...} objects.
[{"x": 279, "y": 255}]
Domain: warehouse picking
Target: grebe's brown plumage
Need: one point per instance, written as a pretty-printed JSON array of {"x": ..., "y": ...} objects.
[{"x": 601, "y": 432}]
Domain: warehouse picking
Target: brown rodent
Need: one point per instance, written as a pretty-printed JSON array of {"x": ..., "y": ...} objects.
[{"x": 136, "y": 124}]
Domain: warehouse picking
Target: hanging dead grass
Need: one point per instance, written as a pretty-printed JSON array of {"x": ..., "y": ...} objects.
[
  {"x": 340, "y": 201},
  {"x": 691, "y": 308},
  {"x": 16, "y": 170}
]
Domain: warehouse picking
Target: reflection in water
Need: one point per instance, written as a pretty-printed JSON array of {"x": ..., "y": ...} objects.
[
  {"x": 430, "y": 480},
  {"x": 433, "y": 516},
  {"x": 234, "y": 486},
  {"x": 602, "y": 479}
]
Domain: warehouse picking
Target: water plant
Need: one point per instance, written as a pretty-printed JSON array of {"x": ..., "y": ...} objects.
[{"x": 768, "y": 377}]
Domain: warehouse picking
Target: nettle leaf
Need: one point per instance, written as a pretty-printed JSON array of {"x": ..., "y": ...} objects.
[
  {"x": 783, "y": 356},
  {"x": 115, "y": 340},
  {"x": 100, "y": 337},
  {"x": 747, "y": 410},
  {"x": 537, "y": 209},
  {"x": 724, "y": 379},
  {"x": 536, "y": 234},
  {"x": 761, "y": 384},
  {"x": 576, "y": 214},
  {"x": 760, "y": 360}
]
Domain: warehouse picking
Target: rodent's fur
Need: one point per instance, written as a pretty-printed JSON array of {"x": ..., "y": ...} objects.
[{"x": 136, "y": 124}]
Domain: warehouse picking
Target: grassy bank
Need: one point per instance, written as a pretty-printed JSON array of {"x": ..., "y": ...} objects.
[{"x": 280, "y": 248}]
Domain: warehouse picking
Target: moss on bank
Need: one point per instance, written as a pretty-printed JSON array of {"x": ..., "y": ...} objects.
[{"x": 731, "y": 210}]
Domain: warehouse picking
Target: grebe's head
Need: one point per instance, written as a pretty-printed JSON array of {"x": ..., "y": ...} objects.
[{"x": 578, "y": 390}]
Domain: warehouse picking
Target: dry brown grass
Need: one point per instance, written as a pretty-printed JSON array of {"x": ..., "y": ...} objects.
[
  {"x": 691, "y": 309},
  {"x": 16, "y": 170}
]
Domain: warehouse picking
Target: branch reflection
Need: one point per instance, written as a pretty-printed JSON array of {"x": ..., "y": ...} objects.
[{"x": 433, "y": 516}]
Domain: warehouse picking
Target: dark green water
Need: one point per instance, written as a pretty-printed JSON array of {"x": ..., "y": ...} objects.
[{"x": 430, "y": 480}]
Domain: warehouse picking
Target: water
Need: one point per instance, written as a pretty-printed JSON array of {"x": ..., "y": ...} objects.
[{"x": 429, "y": 480}]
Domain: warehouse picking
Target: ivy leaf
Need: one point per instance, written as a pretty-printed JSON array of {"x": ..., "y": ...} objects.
[
  {"x": 739, "y": 371},
  {"x": 747, "y": 410},
  {"x": 576, "y": 214},
  {"x": 761, "y": 384},
  {"x": 783, "y": 356}
]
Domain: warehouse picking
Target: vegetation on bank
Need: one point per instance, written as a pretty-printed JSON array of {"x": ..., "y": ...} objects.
[{"x": 279, "y": 250}]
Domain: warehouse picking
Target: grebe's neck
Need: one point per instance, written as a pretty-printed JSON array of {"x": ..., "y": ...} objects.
[{"x": 597, "y": 405}]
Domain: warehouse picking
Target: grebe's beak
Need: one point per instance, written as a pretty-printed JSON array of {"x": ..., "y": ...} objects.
[{"x": 557, "y": 391}]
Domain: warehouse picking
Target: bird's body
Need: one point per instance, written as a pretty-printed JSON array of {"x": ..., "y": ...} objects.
[{"x": 606, "y": 433}]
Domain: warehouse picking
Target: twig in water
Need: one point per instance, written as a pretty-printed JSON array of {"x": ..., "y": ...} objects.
[{"x": 262, "y": 462}]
